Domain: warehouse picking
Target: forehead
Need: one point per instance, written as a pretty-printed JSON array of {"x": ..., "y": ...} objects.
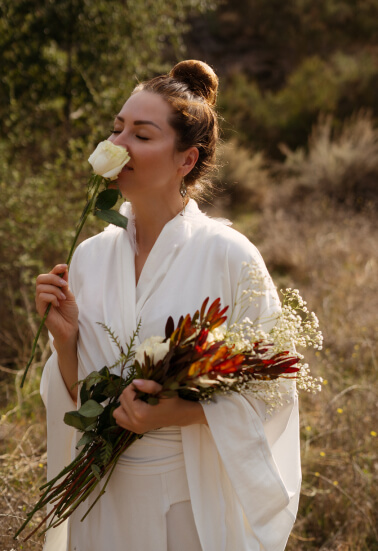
[{"x": 147, "y": 106}]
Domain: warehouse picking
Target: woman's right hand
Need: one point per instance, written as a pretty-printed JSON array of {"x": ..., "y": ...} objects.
[{"x": 62, "y": 320}]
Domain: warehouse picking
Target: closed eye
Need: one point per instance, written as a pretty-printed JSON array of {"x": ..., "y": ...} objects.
[
  {"x": 116, "y": 131},
  {"x": 142, "y": 137}
]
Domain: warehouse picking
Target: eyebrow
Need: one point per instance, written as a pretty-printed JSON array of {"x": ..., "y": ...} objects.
[{"x": 138, "y": 123}]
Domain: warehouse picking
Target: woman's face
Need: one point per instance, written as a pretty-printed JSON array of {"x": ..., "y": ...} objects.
[{"x": 155, "y": 166}]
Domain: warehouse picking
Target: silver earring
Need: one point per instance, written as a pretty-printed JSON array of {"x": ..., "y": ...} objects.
[{"x": 183, "y": 193}]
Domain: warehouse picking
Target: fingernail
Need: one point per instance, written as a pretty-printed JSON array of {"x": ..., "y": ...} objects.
[
  {"x": 62, "y": 296},
  {"x": 137, "y": 381},
  {"x": 63, "y": 283}
]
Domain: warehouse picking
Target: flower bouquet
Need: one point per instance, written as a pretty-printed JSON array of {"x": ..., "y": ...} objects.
[
  {"x": 107, "y": 161},
  {"x": 198, "y": 359}
]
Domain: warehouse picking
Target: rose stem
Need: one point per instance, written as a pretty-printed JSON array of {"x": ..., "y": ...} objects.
[{"x": 97, "y": 182}]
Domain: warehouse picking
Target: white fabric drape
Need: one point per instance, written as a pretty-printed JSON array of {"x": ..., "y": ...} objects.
[{"x": 243, "y": 470}]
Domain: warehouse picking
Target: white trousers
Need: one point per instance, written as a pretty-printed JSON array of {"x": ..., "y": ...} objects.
[{"x": 143, "y": 509}]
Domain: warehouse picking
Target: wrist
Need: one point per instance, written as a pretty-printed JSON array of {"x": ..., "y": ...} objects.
[
  {"x": 66, "y": 343},
  {"x": 192, "y": 413}
]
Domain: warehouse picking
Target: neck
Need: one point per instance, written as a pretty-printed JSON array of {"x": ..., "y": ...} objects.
[{"x": 151, "y": 215}]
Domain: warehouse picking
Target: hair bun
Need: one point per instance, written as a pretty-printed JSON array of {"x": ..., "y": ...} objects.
[{"x": 199, "y": 78}]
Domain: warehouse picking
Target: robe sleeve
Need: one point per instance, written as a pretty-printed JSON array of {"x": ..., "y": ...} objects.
[
  {"x": 61, "y": 438},
  {"x": 254, "y": 455}
]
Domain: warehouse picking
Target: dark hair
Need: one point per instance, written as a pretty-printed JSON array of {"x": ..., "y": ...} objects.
[{"x": 190, "y": 88}]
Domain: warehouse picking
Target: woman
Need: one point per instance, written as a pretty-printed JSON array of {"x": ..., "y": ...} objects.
[{"x": 214, "y": 477}]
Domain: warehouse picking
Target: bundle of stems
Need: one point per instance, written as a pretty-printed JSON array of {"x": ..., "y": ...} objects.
[
  {"x": 79, "y": 481},
  {"x": 195, "y": 367}
]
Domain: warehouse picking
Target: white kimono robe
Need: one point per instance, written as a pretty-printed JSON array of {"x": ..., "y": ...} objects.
[{"x": 243, "y": 469}]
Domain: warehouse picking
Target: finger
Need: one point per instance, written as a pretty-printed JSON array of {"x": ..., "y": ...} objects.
[
  {"x": 60, "y": 269},
  {"x": 46, "y": 298},
  {"x": 121, "y": 417},
  {"x": 51, "y": 279},
  {"x": 127, "y": 397},
  {"x": 50, "y": 290},
  {"x": 150, "y": 387}
]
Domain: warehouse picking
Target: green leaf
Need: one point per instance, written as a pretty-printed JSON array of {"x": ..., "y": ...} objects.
[
  {"x": 91, "y": 409},
  {"x": 107, "y": 199},
  {"x": 92, "y": 379},
  {"x": 113, "y": 217},
  {"x": 153, "y": 401},
  {"x": 84, "y": 394},
  {"x": 96, "y": 471},
  {"x": 106, "y": 453},
  {"x": 85, "y": 439},
  {"x": 92, "y": 426},
  {"x": 112, "y": 388},
  {"x": 74, "y": 419}
]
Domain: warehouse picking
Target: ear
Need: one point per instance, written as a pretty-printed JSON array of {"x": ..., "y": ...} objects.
[{"x": 189, "y": 159}]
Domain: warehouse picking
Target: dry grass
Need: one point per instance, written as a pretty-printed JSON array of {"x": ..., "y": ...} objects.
[
  {"x": 330, "y": 255},
  {"x": 22, "y": 470}
]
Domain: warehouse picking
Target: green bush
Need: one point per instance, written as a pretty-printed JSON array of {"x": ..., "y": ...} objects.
[
  {"x": 265, "y": 119},
  {"x": 38, "y": 215}
]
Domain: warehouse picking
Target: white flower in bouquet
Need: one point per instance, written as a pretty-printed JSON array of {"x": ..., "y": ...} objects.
[
  {"x": 155, "y": 348},
  {"x": 217, "y": 334},
  {"x": 108, "y": 160}
]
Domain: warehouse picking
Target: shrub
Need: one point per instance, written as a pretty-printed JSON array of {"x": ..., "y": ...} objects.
[
  {"x": 341, "y": 163},
  {"x": 243, "y": 176},
  {"x": 265, "y": 119}
]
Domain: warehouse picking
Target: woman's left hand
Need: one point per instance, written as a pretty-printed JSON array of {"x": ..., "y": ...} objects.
[{"x": 140, "y": 417}]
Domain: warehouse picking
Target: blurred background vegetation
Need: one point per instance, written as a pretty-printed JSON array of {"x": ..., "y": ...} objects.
[{"x": 298, "y": 175}]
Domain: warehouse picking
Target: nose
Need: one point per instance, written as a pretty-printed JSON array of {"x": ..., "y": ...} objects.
[{"x": 120, "y": 139}]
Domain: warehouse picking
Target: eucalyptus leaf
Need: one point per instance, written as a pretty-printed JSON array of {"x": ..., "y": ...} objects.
[
  {"x": 74, "y": 419},
  {"x": 104, "y": 372},
  {"x": 92, "y": 425},
  {"x": 112, "y": 388},
  {"x": 84, "y": 394},
  {"x": 85, "y": 439},
  {"x": 92, "y": 379},
  {"x": 113, "y": 217},
  {"x": 91, "y": 409},
  {"x": 107, "y": 199}
]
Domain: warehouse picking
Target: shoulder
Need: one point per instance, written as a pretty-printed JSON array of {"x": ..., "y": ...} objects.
[
  {"x": 100, "y": 241},
  {"x": 217, "y": 235},
  {"x": 95, "y": 253}
]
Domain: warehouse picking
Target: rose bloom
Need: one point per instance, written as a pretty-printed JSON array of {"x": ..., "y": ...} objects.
[
  {"x": 155, "y": 349},
  {"x": 108, "y": 159}
]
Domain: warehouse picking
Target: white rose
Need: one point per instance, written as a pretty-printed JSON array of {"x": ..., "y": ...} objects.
[
  {"x": 108, "y": 159},
  {"x": 155, "y": 349},
  {"x": 216, "y": 334}
]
